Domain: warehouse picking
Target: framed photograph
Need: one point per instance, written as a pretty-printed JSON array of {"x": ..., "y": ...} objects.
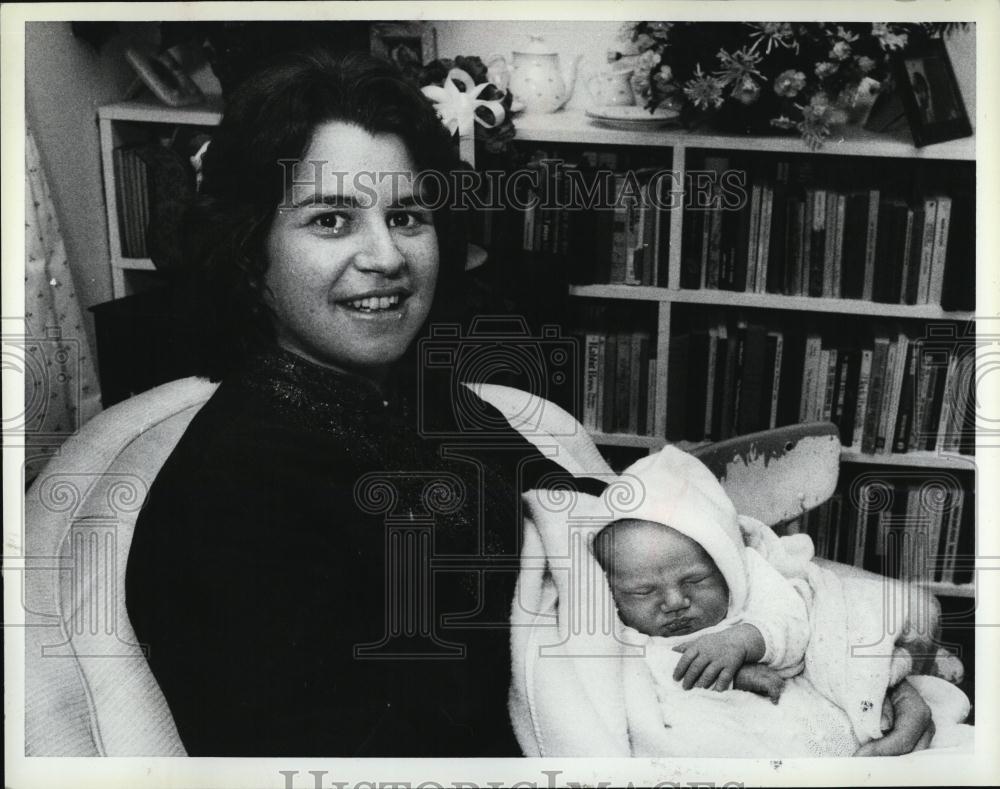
[
  {"x": 165, "y": 77},
  {"x": 930, "y": 95},
  {"x": 404, "y": 43}
]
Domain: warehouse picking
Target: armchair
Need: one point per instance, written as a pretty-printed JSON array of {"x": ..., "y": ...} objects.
[{"x": 89, "y": 690}]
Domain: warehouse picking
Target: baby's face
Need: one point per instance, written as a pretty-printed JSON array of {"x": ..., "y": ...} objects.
[{"x": 663, "y": 582}]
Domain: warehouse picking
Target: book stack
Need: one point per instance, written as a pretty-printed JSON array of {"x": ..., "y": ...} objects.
[
  {"x": 132, "y": 195},
  {"x": 600, "y": 213},
  {"x": 724, "y": 379},
  {"x": 887, "y": 393},
  {"x": 901, "y": 529},
  {"x": 784, "y": 226},
  {"x": 619, "y": 379}
]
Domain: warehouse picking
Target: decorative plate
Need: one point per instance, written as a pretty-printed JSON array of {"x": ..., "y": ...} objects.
[{"x": 632, "y": 118}]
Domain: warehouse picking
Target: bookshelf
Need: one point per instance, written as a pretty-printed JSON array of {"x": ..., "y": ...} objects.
[
  {"x": 121, "y": 123},
  {"x": 675, "y": 149}
]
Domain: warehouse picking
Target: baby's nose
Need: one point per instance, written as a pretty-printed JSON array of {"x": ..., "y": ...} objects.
[{"x": 673, "y": 600}]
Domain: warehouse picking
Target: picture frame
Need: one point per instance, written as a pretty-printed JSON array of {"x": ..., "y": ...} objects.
[
  {"x": 930, "y": 94},
  {"x": 404, "y": 43},
  {"x": 165, "y": 77}
]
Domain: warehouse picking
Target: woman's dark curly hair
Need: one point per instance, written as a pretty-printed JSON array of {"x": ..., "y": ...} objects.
[{"x": 272, "y": 117}]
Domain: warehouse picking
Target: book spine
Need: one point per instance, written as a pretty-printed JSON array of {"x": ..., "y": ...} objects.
[
  {"x": 927, "y": 250},
  {"x": 608, "y": 397},
  {"x": 623, "y": 377},
  {"x": 838, "y": 247},
  {"x": 651, "y": 398},
  {"x": 840, "y": 392},
  {"x": 951, "y": 526},
  {"x": 874, "y": 409},
  {"x": 764, "y": 247},
  {"x": 888, "y": 387},
  {"x": 828, "y": 366},
  {"x": 871, "y": 240},
  {"x": 713, "y": 352},
  {"x": 905, "y": 405},
  {"x": 948, "y": 395},
  {"x": 936, "y": 285},
  {"x": 829, "y": 243},
  {"x": 779, "y": 349},
  {"x": 864, "y": 384},
  {"x": 810, "y": 372},
  {"x": 755, "y": 223},
  {"x": 640, "y": 348},
  {"x": 591, "y": 380},
  {"x": 907, "y": 252}
]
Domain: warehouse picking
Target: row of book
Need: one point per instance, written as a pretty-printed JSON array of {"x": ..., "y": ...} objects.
[
  {"x": 593, "y": 208},
  {"x": 788, "y": 227},
  {"x": 132, "y": 195},
  {"x": 619, "y": 382},
  {"x": 911, "y": 531},
  {"x": 887, "y": 393}
]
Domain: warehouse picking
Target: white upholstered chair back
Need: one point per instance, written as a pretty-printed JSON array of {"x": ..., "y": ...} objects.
[{"x": 89, "y": 690}]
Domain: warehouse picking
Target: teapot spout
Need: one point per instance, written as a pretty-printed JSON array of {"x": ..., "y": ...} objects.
[{"x": 569, "y": 77}]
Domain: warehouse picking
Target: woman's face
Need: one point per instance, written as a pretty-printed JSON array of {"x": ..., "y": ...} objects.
[{"x": 352, "y": 262}]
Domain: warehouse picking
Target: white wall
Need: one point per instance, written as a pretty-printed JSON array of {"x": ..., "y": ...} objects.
[{"x": 65, "y": 82}]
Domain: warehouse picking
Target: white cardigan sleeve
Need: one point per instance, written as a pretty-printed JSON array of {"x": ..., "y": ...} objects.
[{"x": 777, "y": 609}]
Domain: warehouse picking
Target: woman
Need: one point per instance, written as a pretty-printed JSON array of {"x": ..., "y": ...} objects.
[
  {"x": 264, "y": 574},
  {"x": 259, "y": 576}
]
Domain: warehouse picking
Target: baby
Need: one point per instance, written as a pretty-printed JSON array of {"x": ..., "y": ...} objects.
[
  {"x": 714, "y": 614},
  {"x": 665, "y": 584}
]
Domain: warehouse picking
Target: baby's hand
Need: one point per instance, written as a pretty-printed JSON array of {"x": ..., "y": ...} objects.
[
  {"x": 760, "y": 678},
  {"x": 713, "y": 660}
]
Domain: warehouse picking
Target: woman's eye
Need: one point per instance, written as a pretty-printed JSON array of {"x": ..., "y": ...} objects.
[
  {"x": 331, "y": 223},
  {"x": 406, "y": 219},
  {"x": 640, "y": 592}
]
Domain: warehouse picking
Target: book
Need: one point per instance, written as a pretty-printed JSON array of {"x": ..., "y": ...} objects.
[
  {"x": 905, "y": 406},
  {"x": 854, "y": 244},
  {"x": 713, "y": 353},
  {"x": 777, "y": 254},
  {"x": 623, "y": 378},
  {"x": 950, "y": 528},
  {"x": 775, "y": 354},
  {"x": 828, "y": 379},
  {"x": 838, "y": 246},
  {"x": 941, "y": 231},
  {"x": 810, "y": 377},
  {"x": 861, "y": 409},
  {"x": 608, "y": 399},
  {"x": 752, "y": 379},
  {"x": 593, "y": 344},
  {"x": 764, "y": 244},
  {"x": 926, "y": 250},
  {"x": 817, "y": 241},
  {"x": 651, "y": 397},
  {"x": 830, "y": 243},
  {"x": 873, "y": 412},
  {"x": 904, "y": 273},
  {"x": 894, "y": 368},
  {"x": 638, "y": 382},
  {"x": 947, "y": 404},
  {"x": 871, "y": 242}
]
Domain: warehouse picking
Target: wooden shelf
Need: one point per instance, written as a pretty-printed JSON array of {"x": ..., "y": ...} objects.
[
  {"x": 208, "y": 113},
  {"x": 942, "y": 589},
  {"x": 769, "y": 301},
  {"x": 134, "y": 264},
  {"x": 628, "y": 440},
  {"x": 573, "y": 126},
  {"x": 914, "y": 459}
]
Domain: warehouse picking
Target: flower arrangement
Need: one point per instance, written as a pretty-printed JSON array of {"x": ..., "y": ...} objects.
[{"x": 761, "y": 76}]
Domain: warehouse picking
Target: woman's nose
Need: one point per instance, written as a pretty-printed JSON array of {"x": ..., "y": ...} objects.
[{"x": 379, "y": 251}]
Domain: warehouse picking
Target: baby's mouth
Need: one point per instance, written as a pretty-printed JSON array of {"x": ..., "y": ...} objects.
[{"x": 677, "y": 627}]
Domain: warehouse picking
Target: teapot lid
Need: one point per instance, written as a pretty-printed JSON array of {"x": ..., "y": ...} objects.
[{"x": 536, "y": 46}]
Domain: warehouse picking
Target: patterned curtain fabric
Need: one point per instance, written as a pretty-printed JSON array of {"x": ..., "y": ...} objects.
[{"x": 61, "y": 389}]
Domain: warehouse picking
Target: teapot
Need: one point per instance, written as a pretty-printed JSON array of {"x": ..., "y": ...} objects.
[{"x": 535, "y": 76}]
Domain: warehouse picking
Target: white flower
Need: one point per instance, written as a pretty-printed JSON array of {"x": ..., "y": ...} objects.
[
  {"x": 825, "y": 69},
  {"x": 789, "y": 83},
  {"x": 840, "y": 51},
  {"x": 866, "y": 64}
]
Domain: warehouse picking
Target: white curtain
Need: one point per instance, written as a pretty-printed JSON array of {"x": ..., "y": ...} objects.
[{"x": 61, "y": 389}]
